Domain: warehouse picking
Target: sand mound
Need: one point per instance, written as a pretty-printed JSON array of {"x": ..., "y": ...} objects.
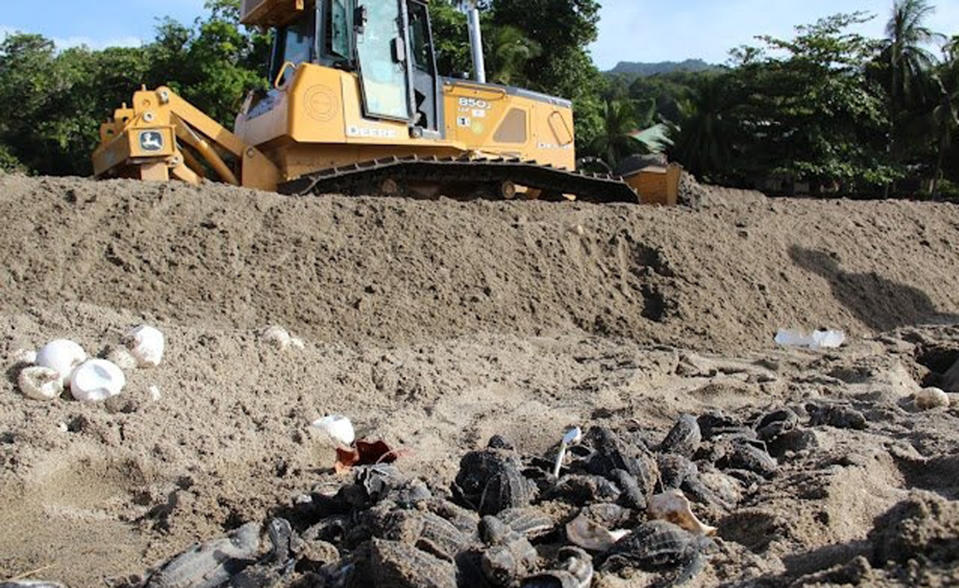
[
  {"x": 397, "y": 271},
  {"x": 438, "y": 324}
]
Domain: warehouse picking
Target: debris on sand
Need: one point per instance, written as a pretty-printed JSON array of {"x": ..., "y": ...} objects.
[{"x": 816, "y": 340}]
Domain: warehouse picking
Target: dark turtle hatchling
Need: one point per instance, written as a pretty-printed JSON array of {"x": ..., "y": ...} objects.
[
  {"x": 505, "y": 488},
  {"x": 611, "y": 453},
  {"x": 684, "y": 438},
  {"x": 580, "y": 490},
  {"x": 674, "y": 469},
  {"x": 530, "y": 522},
  {"x": 607, "y": 515},
  {"x": 277, "y": 564},
  {"x": 420, "y": 528},
  {"x": 475, "y": 473},
  {"x": 461, "y": 518},
  {"x": 212, "y": 563},
  {"x": 743, "y": 455},
  {"x": 775, "y": 423},
  {"x": 834, "y": 415},
  {"x": 575, "y": 570},
  {"x": 508, "y": 556},
  {"x": 657, "y": 546},
  {"x": 715, "y": 424},
  {"x": 632, "y": 494},
  {"x": 399, "y": 565}
]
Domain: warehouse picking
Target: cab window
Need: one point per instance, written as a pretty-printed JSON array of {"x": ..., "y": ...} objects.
[
  {"x": 337, "y": 42},
  {"x": 294, "y": 43},
  {"x": 420, "y": 36}
]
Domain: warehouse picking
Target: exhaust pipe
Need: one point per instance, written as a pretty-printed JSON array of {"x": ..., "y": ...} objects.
[{"x": 476, "y": 42}]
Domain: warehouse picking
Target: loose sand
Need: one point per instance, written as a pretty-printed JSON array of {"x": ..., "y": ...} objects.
[{"x": 435, "y": 324}]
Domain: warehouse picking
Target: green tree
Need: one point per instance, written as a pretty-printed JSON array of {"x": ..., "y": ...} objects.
[
  {"x": 213, "y": 65},
  {"x": 801, "y": 109}
]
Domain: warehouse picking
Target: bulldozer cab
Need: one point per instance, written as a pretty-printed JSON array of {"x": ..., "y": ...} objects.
[{"x": 388, "y": 43}]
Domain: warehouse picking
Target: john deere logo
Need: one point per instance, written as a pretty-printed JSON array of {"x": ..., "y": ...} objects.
[{"x": 151, "y": 140}]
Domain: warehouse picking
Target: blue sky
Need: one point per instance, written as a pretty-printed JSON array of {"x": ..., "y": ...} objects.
[{"x": 630, "y": 30}]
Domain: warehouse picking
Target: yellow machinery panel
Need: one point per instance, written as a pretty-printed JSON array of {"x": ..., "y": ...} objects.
[{"x": 316, "y": 121}]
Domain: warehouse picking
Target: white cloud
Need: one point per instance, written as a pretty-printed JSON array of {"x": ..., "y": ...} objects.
[
  {"x": 78, "y": 41},
  {"x": 96, "y": 44}
]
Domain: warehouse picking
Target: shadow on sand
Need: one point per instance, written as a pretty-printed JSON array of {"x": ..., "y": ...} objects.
[{"x": 879, "y": 303}]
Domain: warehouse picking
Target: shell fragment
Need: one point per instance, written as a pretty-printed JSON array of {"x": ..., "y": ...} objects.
[
  {"x": 96, "y": 380},
  {"x": 146, "y": 344},
  {"x": 63, "y": 356},
  {"x": 673, "y": 507},
  {"x": 589, "y": 535},
  {"x": 40, "y": 383}
]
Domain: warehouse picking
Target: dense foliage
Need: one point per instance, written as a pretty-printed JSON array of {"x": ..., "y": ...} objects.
[{"x": 827, "y": 110}]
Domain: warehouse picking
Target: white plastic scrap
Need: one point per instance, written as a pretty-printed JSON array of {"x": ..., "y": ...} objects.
[
  {"x": 572, "y": 437},
  {"x": 96, "y": 380},
  {"x": 40, "y": 383},
  {"x": 155, "y": 394},
  {"x": 63, "y": 356},
  {"x": 338, "y": 428},
  {"x": 816, "y": 340},
  {"x": 146, "y": 344}
]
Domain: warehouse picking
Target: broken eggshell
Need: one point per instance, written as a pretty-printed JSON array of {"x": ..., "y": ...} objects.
[
  {"x": 673, "y": 507},
  {"x": 40, "y": 383},
  {"x": 590, "y": 536},
  {"x": 338, "y": 428},
  {"x": 61, "y": 355},
  {"x": 277, "y": 336},
  {"x": 96, "y": 380},
  {"x": 146, "y": 344}
]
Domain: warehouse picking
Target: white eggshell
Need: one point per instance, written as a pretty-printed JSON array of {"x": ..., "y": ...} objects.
[
  {"x": 277, "y": 336},
  {"x": 96, "y": 380},
  {"x": 40, "y": 383},
  {"x": 339, "y": 428},
  {"x": 63, "y": 356},
  {"x": 930, "y": 398},
  {"x": 146, "y": 344}
]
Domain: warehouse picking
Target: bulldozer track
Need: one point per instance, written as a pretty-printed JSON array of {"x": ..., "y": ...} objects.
[{"x": 455, "y": 173}]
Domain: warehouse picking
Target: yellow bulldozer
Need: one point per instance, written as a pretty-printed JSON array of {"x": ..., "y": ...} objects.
[{"x": 357, "y": 106}]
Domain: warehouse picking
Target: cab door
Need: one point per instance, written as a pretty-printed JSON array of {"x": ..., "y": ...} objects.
[{"x": 382, "y": 60}]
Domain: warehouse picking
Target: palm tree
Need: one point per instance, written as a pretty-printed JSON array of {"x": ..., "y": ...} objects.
[
  {"x": 629, "y": 130},
  {"x": 909, "y": 63},
  {"x": 703, "y": 143},
  {"x": 508, "y": 51},
  {"x": 945, "y": 116}
]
